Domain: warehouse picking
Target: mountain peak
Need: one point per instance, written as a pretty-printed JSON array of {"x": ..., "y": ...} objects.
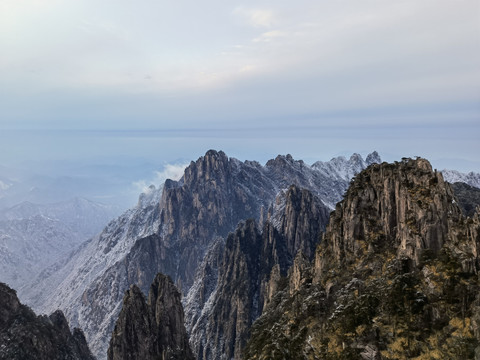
[
  {"x": 373, "y": 158},
  {"x": 146, "y": 329},
  {"x": 282, "y": 160},
  {"x": 356, "y": 158},
  {"x": 215, "y": 153},
  {"x": 212, "y": 165},
  {"x": 399, "y": 207},
  {"x": 341, "y": 168},
  {"x": 395, "y": 276}
]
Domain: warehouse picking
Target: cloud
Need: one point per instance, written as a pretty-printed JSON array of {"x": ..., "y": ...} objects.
[
  {"x": 256, "y": 17},
  {"x": 170, "y": 171},
  {"x": 194, "y": 66},
  {"x": 269, "y": 36}
]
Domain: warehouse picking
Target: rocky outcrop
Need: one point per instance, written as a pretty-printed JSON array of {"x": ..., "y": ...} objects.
[
  {"x": 253, "y": 261},
  {"x": 153, "y": 328},
  {"x": 299, "y": 217},
  {"x": 299, "y": 273},
  {"x": 24, "y": 336},
  {"x": 405, "y": 207},
  {"x": 395, "y": 276}
]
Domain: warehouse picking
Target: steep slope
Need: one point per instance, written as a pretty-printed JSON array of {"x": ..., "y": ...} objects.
[
  {"x": 212, "y": 197},
  {"x": 394, "y": 277},
  {"x": 24, "y": 336},
  {"x": 33, "y": 237},
  {"x": 219, "y": 324},
  {"x": 27, "y": 246},
  {"x": 453, "y": 176},
  {"x": 468, "y": 197},
  {"x": 63, "y": 284},
  {"x": 170, "y": 233},
  {"x": 152, "y": 329}
]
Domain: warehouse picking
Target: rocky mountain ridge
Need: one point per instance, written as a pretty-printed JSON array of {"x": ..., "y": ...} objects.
[
  {"x": 238, "y": 277},
  {"x": 151, "y": 328},
  {"x": 171, "y": 234},
  {"x": 395, "y": 276},
  {"x": 25, "y": 336},
  {"x": 171, "y": 230}
]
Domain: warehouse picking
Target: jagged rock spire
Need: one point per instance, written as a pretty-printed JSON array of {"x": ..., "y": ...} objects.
[
  {"x": 25, "y": 336},
  {"x": 151, "y": 329},
  {"x": 254, "y": 259}
]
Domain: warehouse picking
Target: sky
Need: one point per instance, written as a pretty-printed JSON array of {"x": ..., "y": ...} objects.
[{"x": 164, "y": 81}]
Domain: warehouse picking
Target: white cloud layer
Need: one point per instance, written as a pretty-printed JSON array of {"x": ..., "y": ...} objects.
[
  {"x": 256, "y": 17},
  {"x": 170, "y": 171},
  {"x": 156, "y": 47}
]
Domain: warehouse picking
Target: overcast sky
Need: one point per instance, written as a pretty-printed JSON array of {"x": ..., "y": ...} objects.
[{"x": 172, "y": 79}]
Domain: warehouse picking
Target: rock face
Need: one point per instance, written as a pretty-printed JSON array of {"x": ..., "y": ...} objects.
[
  {"x": 468, "y": 197},
  {"x": 405, "y": 207},
  {"x": 300, "y": 217},
  {"x": 171, "y": 230},
  {"x": 25, "y": 336},
  {"x": 395, "y": 276},
  {"x": 151, "y": 329},
  {"x": 252, "y": 259}
]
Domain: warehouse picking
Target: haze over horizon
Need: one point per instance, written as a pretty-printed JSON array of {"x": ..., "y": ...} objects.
[{"x": 112, "y": 82}]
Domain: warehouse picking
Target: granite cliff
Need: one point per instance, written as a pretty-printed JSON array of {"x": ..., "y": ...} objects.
[
  {"x": 153, "y": 328},
  {"x": 25, "y": 336},
  {"x": 243, "y": 269},
  {"x": 394, "y": 277}
]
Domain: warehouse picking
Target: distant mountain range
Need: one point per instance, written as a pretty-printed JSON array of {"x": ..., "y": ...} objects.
[
  {"x": 453, "y": 176},
  {"x": 106, "y": 183},
  {"x": 394, "y": 275},
  {"x": 33, "y": 237}
]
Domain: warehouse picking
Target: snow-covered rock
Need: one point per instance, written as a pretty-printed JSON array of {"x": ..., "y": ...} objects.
[
  {"x": 33, "y": 237},
  {"x": 343, "y": 169},
  {"x": 453, "y": 176}
]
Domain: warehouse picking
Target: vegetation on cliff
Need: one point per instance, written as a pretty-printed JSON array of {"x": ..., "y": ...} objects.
[{"x": 395, "y": 277}]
